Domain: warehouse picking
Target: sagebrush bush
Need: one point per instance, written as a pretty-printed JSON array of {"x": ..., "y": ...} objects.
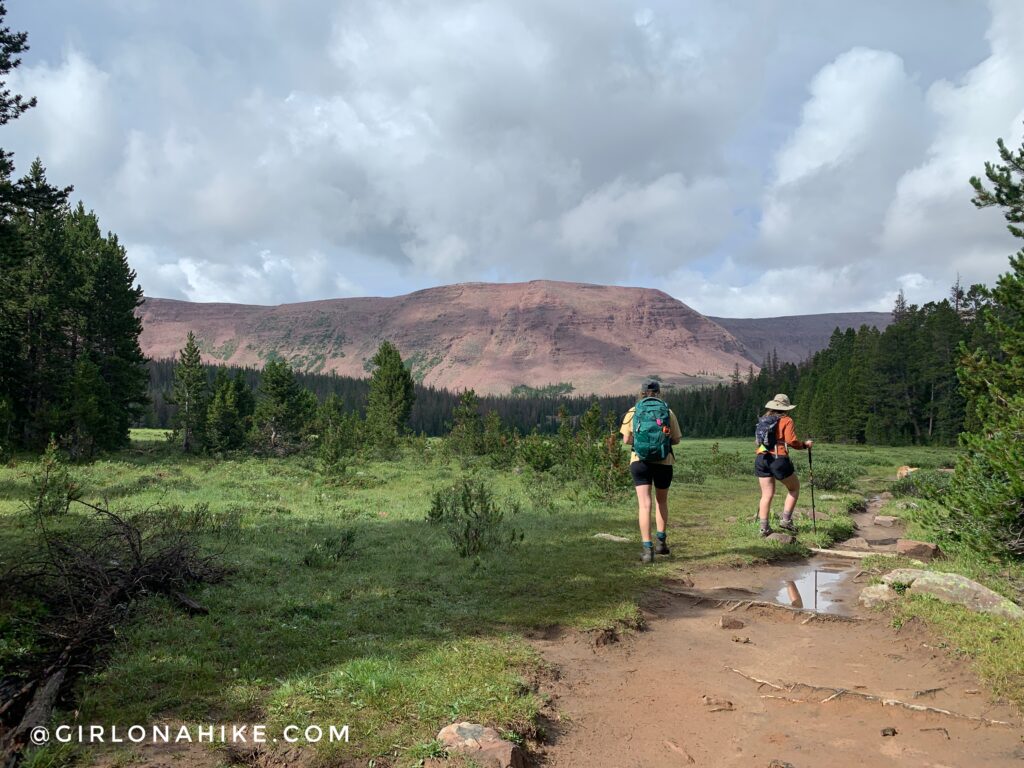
[
  {"x": 832, "y": 476},
  {"x": 330, "y": 550},
  {"x": 473, "y": 519},
  {"x": 923, "y": 484},
  {"x": 719, "y": 463}
]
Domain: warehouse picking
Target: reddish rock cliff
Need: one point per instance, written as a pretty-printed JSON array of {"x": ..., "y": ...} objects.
[{"x": 488, "y": 336}]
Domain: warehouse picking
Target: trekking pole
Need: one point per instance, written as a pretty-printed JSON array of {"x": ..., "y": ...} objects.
[{"x": 810, "y": 471}]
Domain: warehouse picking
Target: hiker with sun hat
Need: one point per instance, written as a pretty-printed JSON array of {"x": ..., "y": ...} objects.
[
  {"x": 774, "y": 436},
  {"x": 652, "y": 429}
]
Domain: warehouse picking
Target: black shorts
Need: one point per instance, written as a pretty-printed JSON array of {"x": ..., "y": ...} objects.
[
  {"x": 645, "y": 474},
  {"x": 779, "y": 467}
]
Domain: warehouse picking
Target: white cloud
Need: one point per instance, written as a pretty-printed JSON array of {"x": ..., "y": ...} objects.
[
  {"x": 266, "y": 152},
  {"x": 862, "y": 126},
  {"x": 73, "y": 115},
  {"x": 931, "y": 218},
  {"x": 663, "y": 217}
]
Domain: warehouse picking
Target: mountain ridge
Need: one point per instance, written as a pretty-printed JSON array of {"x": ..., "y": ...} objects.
[
  {"x": 488, "y": 336},
  {"x": 794, "y": 338},
  {"x": 492, "y": 337}
]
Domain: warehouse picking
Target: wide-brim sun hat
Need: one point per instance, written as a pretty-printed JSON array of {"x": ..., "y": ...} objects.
[{"x": 779, "y": 403}]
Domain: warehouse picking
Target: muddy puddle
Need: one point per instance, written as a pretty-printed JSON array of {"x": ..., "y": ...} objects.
[{"x": 822, "y": 584}]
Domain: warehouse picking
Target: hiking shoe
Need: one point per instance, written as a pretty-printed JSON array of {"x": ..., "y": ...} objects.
[
  {"x": 647, "y": 556},
  {"x": 787, "y": 525},
  {"x": 766, "y": 532},
  {"x": 661, "y": 548}
]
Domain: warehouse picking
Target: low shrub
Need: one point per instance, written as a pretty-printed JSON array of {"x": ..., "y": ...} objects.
[
  {"x": 473, "y": 519},
  {"x": 923, "y": 484},
  {"x": 53, "y": 487},
  {"x": 537, "y": 452},
  {"x": 832, "y": 476},
  {"x": 330, "y": 550}
]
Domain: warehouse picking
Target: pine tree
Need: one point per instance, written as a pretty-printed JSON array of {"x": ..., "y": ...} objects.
[
  {"x": 284, "y": 409},
  {"x": 191, "y": 395},
  {"x": 987, "y": 499},
  {"x": 68, "y": 332},
  {"x": 245, "y": 400},
  {"x": 392, "y": 393},
  {"x": 900, "y": 308},
  {"x": 224, "y": 426},
  {"x": 12, "y": 105},
  {"x": 88, "y": 400},
  {"x": 467, "y": 433},
  {"x": 109, "y": 326}
]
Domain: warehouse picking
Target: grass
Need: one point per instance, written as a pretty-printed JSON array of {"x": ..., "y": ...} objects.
[{"x": 347, "y": 607}]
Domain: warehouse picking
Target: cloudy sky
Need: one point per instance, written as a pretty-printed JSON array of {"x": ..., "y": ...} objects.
[{"x": 752, "y": 158}]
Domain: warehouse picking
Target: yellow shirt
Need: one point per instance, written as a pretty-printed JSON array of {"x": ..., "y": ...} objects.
[{"x": 627, "y": 431}]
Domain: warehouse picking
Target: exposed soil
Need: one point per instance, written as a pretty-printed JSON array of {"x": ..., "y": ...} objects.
[
  {"x": 868, "y": 535},
  {"x": 674, "y": 695}
]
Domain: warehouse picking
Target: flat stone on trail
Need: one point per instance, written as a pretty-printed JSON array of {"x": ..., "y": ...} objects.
[
  {"x": 886, "y": 521},
  {"x": 482, "y": 744},
  {"x": 611, "y": 537},
  {"x": 857, "y": 542},
  {"x": 954, "y": 588},
  {"x": 877, "y": 594},
  {"x": 730, "y": 622},
  {"x": 782, "y": 538},
  {"x": 922, "y": 550}
]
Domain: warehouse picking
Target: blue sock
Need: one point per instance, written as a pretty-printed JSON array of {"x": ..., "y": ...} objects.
[
  {"x": 648, "y": 544},
  {"x": 661, "y": 535}
]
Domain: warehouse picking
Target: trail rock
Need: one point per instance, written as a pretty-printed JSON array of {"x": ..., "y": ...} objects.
[
  {"x": 482, "y": 744},
  {"x": 782, "y": 538},
  {"x": 730, "y": 622},
  {"x": 886, "y": 521},
  {"x": 922, "y": 550},
  {"x": 857, "y": 542},
  {"x": 717, "y": 704},
  {"x": 876, "y": 595},
  {"x": 954, "y": 588},
  {"x": 611, "y": 537}
]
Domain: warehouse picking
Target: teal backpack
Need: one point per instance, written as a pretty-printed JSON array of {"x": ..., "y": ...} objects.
[{"x": 652, "y": 439}]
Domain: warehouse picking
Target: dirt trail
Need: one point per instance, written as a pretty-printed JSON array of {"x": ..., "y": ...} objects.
[
  {"x": 868, "y": 535},
  {"x": 640, "y": 702}
]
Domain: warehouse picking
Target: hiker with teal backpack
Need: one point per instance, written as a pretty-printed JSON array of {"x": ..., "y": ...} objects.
[
  {"x": 652, "y": 429},
  {"x": 774, "y": 435}
]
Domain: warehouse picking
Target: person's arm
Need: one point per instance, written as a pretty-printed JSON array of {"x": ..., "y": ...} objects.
[
  {"x": 789, "y": 436},
  {"x": 677, "y": 433},
  {"x": 626, "y": 429}
]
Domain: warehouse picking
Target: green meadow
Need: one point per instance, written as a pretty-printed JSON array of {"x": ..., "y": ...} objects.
[{"x": 344, "y": 605}]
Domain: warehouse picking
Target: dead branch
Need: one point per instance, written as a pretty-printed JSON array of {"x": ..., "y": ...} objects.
[
  {"x": 733, "y": 604},
  {"x": 89, "y": 580},
  {"x": 838, "y": 693}
]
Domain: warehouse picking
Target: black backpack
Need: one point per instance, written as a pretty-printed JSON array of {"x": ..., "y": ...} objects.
[{"x": 766, "y": 433}]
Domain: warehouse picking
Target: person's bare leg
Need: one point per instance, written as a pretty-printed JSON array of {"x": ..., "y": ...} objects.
[
  {"x": 792, "y": 484},
  {"x": 767, "y": 493},
  {"x": 643, "y": 497},
  {"x": 661, "y": 499}
]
